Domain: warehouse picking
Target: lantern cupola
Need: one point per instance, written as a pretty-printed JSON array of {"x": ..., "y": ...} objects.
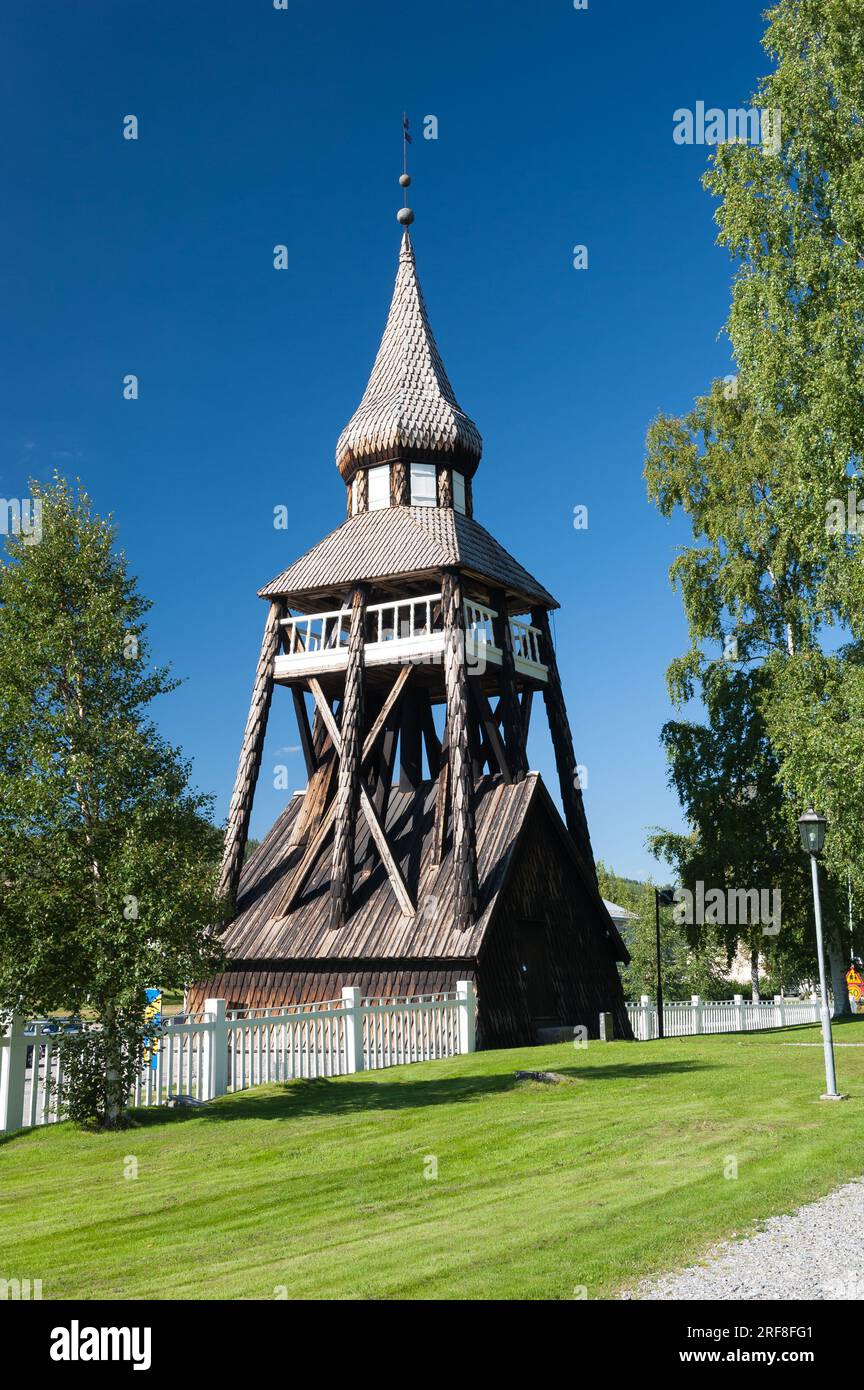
[{"x": 409, "y": 436}]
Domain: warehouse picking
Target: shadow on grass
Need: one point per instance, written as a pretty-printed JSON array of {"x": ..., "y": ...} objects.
[{"x": 330, "y": 1096}]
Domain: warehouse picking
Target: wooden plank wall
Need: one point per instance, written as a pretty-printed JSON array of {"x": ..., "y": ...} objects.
[
  {"x": 544, "y": 887},
  {"x": 275, "y": 984}
]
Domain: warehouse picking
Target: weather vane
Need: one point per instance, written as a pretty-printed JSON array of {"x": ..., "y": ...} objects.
[{"x": 405, "y": 215}]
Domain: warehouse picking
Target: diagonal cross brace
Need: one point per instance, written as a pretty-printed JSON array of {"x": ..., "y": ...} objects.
[
  {"x": 307, "y": 863},
  {"x": 376, "y": 829}
]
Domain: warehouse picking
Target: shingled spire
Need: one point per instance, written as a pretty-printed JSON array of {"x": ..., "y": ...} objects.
[{"x": 409, "y": 410}]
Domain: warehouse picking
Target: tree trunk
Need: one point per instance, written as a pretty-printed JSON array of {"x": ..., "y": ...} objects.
[
  {"x": 754, "y": 974},
  {"x": 837, "y": 967},
  {"x": 114, "y": 1098}
]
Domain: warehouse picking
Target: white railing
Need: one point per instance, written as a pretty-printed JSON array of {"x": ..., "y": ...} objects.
[
  {"x": 285, "y": 1044},
  {"x": 420, "y": 1028},
  {"x": 40, "y": 1071},
  {"x": 415, "y": 622},
  {"x": 215, "y": 1052},
  {"x": 178, "y": 1063},
  {"x": 526, "y": 642},
  {"x": 718, "y": 1016},
  {"x": 403, "y": 620},
  {"x": 479, "y": 621},
  {"x": 397, "y": 621},
  {"x": 317, "y": 632}
]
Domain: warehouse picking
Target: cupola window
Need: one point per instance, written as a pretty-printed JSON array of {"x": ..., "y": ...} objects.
[
  {"x": 458, "y": 491},
  {"x": 379, "y": 487},
  {"x": 423, "y": 485}
]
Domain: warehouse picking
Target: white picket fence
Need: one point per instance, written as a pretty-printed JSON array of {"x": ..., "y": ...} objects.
[
  {"x": 718, "y": 1016},
  {"x": 216, "y": 1052}
]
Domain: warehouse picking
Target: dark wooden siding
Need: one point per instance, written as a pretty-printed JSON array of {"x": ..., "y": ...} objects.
[
  {"x": 543, "y": 887},
  {"x": 274, "y": 984},
  {"x": 530, "y": 873}
]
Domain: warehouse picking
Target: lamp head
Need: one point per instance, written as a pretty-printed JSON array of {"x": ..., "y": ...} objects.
[{"x": 812, "y": 828}]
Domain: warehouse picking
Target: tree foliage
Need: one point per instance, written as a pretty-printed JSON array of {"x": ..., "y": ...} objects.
[
  {"x": 761, "y": 462},
  {"x": 108, "y": 857},
  {"x": 687, "y": 967}
]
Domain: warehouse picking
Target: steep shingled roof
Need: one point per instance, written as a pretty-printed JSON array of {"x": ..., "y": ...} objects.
[
  {"x": 409, "y": 409},
  {"x": 376, "y": 927},
  {"x": 401, "y": 541}
]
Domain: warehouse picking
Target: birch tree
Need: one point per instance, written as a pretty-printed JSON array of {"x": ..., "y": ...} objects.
[{"x": 107, "y": 857}]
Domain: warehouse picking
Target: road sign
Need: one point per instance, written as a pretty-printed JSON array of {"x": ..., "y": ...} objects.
[
  {"x": 153, "y": 1015},
  {"x": 855, "y": 984}
]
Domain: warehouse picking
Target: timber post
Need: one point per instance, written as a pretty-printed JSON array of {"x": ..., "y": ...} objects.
[
  {"x": 445, "y": 487},
  {"x": 240, "y": 810},
  {"x": 562, "y": 742},
  {"x": 512, "y": 723},
  {"x": 459, "y": 751},
  {"x": 348, "y": 787}
]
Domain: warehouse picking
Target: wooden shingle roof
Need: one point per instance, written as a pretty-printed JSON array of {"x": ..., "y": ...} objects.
[
  {"x": 398, "y": 542},
  {"x": 376, "y": 928},
  {"x": 409, "y": 409}
]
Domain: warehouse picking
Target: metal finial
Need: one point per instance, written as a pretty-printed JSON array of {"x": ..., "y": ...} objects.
[{"x": 405, "y": 216}]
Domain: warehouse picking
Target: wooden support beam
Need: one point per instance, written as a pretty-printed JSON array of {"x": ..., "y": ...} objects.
[
  {"x": 350, "y": 748},
  {"x": 445, "y": 487},
  {"x": 240, "y": 809},
  {"x": 562, "y": 742},
  {"x": 525, "y": 712},
  {"x": 410, "y": 745},
  {"x": 395, "y": 695},
  {"x": 380, "y": 782},
  {"x": 459, "y": 753},
  {"x": 369, "y": 742},
  {"x": 476, "y": 743},
  {"x": 320, "y": 788},
  {"x": 307, "y": 863},
  {"x": 508, "y": 704},
  {"x": 430, "y": 737},
  {"x": 442, "y": 803},
  {"x": 305, "y": 732},
  {"x": 394, "y": 873},
  {"x": 326, "y": 713},
  {"x": 386, "y": 764},
  {"x": 400, "y": 484},
  {"x": 490, "y": 725}
]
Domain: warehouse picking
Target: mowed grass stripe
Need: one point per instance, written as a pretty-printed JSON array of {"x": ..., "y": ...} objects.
[{"x": 319, "y": 1186}]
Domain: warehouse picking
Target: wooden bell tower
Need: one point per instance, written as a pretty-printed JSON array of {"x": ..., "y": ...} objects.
[{"x": 412, "y": 643}]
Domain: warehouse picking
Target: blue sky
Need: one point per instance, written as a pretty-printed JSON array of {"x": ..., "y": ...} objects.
[{"x": 260, "y": 126}]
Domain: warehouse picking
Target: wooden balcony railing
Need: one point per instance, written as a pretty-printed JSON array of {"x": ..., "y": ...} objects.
[{"x": 404, "y": 628}]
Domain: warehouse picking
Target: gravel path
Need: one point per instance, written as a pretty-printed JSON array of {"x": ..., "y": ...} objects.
[{"x": 816, "y": 1253}]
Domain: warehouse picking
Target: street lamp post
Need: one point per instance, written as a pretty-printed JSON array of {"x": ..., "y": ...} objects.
[
  {"x": 812, "y": 828},
  {"x": 664, "y": 896}
]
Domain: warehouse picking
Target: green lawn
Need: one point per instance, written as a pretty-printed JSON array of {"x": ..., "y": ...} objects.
[{"x": 319, "y": 1186}]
